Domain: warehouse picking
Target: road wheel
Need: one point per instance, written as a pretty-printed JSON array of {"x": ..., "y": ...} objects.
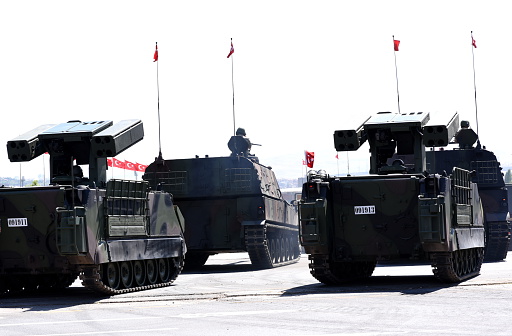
[
  {"x": 139, "y": 272},
  {"x": 163, "y": 269},
  {"x": 112, "y": 276},
  {"x": 151, "y": 271}
]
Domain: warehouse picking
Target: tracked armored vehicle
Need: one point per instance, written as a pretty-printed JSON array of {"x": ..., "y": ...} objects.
[
  {"x": 117, "y": 235},
  {"x": 230, "y": 204},
  {"x": 491, "y": 186},
  {"x": 400, "y": 212}
]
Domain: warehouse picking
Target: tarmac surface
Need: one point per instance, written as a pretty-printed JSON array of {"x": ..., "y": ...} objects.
[{"x": 229, "y": 297}]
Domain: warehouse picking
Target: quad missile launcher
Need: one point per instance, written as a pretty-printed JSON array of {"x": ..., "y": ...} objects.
[
  {"x": 117, "y": 235},
  {"x": 491, "y": 186},
  {"x": 399, "y": 212},
  {"x": 230, "y": 204}
]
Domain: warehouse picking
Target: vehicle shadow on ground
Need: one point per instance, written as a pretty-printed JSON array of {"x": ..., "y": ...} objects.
[
  {"x": 407, "y": 285},
  {"x": 234, "y": 267},
  {"x": 50, "y": 300}
]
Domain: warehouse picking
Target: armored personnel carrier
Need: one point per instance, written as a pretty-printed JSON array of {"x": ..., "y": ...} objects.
[
  {"x": 491, "y": 186},
  {"x": 400, "y": 212},
  {"x": 230, "y": 204},
  {"x": 117, "y": 235}
]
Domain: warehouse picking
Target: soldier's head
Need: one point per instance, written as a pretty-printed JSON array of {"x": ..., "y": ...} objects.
[{"x": 240, "y": 131}]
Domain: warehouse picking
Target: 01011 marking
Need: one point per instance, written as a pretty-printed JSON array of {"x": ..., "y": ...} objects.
[{"x": 17, "y": 222}]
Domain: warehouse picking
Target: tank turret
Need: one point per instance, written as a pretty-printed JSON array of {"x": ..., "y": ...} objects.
[{"x": 399, "y": 212}]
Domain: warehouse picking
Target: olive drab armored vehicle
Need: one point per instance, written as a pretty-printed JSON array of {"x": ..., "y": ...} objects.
[
  {"x": 230, "y": 204},
  {"x": 117, "y": 234},
  {"x": 491, "y": 186},
  {"x": 400, "y": 212}
]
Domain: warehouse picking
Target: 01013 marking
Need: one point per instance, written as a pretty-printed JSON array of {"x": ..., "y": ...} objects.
[{"x": 364, "y": 209}]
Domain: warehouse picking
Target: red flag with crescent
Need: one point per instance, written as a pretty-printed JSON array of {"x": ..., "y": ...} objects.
[
  {"x": 129, "y": 165},
  {"x": 310, "y": 159},
  {"x": 141, "y": 167},
  {"x": 396, "y": 44},
  {"x": 232, "y": 50},
  {"x": 155, "y": 56},
  {"x": 117, "y": 163}
]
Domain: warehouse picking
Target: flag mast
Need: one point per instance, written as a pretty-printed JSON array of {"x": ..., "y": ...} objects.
[
  {"x": 155, "y": 59},
  {"x": 231, "y": 51},
  {"x": 473, "y": 45},
  {"x": 396, "y": 43}
]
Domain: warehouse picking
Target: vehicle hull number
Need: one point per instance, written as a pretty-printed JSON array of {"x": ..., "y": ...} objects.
[
  {"x": 17, "y": 222},
  {"x": 364, "y": 209}
]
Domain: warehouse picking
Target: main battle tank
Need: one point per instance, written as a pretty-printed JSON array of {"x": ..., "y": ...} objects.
[
  {"x": 400, "y": 212},
  {"x": 117, "y": 234},
  {"x": 230, "y": 204},
  {"x": 491, "y": 186}
]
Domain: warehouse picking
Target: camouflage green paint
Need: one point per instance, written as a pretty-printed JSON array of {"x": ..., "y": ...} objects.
[
  {"x": 79, "y": 222},
  {"x": 29, "y": 246},
  {"x": 400, "y": 212},
  {"x": 218, "y": 196}
]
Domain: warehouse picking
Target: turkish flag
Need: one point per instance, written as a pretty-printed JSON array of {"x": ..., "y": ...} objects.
[
  {"x": 140, "y": 167},
  {"x": 155, "y": 56},
  {"x": 117, "y": 163},
  {"x": 310, "y": 158},
  {"x": 396, "y": 43},
  {"x": 232, "y": 50},
  {"x": 129, "y": 165},
  {"x": 109, "y": 162}
]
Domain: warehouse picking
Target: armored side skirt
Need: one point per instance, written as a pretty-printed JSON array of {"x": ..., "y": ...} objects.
[{"x": 140, "y": 249}]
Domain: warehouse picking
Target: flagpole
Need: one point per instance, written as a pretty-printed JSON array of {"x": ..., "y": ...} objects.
[
  {"x": 233, "y": 88},
  {"x": 338, "y": 163},
  {"x": 473, "y": 45},
  {"x": 158, "y": 101},
  {"x": 396, "y": 75},
  {"x": 348, "y": 166}
]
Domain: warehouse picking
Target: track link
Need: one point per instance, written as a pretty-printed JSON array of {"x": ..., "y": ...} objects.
[
  {"x": 266, "y": 249},
  {"x": 458, "y": 265},
  {"x": 92, "y": 279},
  {"x": 498, "y": 240},
  {"x": 338, "y": 273},
  {"x": 320, "y": 270}
]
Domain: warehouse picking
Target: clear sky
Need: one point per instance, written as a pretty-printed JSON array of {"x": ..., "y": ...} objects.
[{"x": 302, "y": 69}]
